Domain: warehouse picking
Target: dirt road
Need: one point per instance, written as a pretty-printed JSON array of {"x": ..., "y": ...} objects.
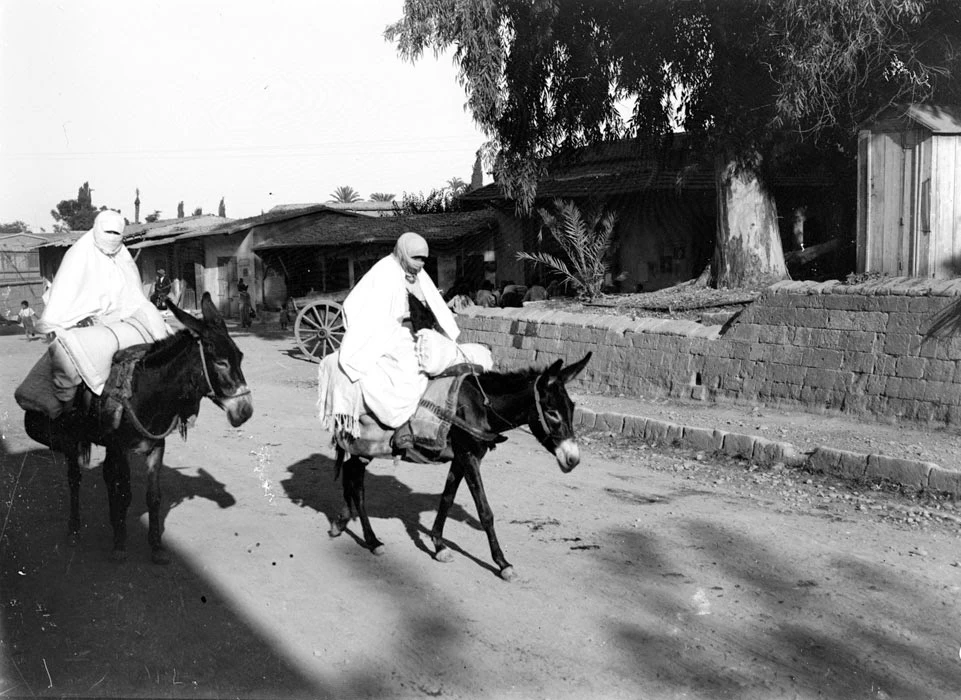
[{"x": 642, "y": 574}]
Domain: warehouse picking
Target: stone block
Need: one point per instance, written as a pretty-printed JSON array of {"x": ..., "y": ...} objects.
[
  {"x": 769, "y": 452},
  {"x": 584, "y": 418},
  {"x": 902, "y": 344},
  {"x": 609, "y": 422},
  {"x": 908, "y": 472},
  {"x": 944, "y": 481},
  {"x": 910, "y": 367},
  {"x": 634, "y": 426},
  {"x": 903, "y": 323},
  {"x": 822, "y": 359},
  {"x": 662, "y": 431},
  {"x": 738, "y": 445},
  {"x": 702, "y": 438},
  {"x": 840, "y": 463},
  {"x": 859, "y": 362}
]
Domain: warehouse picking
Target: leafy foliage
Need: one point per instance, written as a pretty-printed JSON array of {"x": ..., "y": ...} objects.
[
  {"x": 152, "y": 218},
  {"x": 76, "y": 214},
  {"x": 345, "y": 194},
  {"x": 382, "y": 197},
  {"x": 586, "y": 239},
  {"x": 750, "y": 77},
  {"x": 14, "y": 227},
  {"x": 437, "y": 201},
  {"x": 842, "y": 61}
]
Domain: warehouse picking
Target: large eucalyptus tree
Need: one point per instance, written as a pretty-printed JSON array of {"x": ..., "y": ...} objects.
[{"x": 757, "y": 81}]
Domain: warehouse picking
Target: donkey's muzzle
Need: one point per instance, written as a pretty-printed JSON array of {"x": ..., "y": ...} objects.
[
  {"x": 568, "y": 455},
  {"x": 238, "y": 407}
]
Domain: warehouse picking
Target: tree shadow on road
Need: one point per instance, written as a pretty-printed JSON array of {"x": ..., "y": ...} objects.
[
  {"x": 75, "y": 623},
  {"x": 792, "y": 634}
]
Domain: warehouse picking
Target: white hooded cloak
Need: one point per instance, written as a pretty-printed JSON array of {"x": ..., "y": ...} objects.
[{"x": 98, "y": 278}]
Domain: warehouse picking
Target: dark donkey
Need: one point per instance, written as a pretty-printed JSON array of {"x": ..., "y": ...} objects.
[
  {"x": 488, "y": 404},
  {"x": 167, "y": 381}
]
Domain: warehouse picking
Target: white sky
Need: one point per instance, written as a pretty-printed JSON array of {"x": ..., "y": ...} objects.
[{"x": 262, "y": 103}]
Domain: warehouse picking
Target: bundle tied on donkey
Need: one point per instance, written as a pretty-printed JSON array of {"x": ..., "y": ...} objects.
[{"x": 402, "y": 387}]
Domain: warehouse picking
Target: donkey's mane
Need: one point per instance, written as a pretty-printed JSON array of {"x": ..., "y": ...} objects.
[
  {"x": 507, "y": 382},
  {"x": 166, "y": 349}
]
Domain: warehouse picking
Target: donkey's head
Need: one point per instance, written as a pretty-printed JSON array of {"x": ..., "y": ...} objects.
[
  {"x": 552, "y": 419},
  {"x": 220, "y": 360}
]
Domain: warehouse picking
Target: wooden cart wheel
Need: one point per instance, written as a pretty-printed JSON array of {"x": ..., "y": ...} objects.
[{"x": 319, "y": 329}]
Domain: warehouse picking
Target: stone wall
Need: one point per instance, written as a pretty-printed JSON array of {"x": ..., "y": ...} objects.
[{"x": 888, "y": 349}]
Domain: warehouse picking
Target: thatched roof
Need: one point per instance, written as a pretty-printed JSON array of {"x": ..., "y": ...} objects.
[{"x": 332, "y": 229}]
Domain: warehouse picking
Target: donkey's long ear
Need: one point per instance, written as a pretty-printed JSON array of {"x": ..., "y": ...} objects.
[
  {"x": 210, "y": 312},
  {"x": 571, "y": 371},
  {"x": 186, "y": 320}
]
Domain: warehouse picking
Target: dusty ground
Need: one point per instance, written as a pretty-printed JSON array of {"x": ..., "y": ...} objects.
[{"x": 644, "y": 573}]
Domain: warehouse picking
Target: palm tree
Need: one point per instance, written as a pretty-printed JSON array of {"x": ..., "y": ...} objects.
[
  {"x": 382, "y": 197},
  {"x": 345, "y": 194},
  {"x": 585, "y": 239},
  {"x": 456, "y": 186}
]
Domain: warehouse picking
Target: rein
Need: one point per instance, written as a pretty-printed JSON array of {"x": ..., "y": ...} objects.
[
  {"x": 542, "y": 421},
  {"x": 176, "y": 423}
]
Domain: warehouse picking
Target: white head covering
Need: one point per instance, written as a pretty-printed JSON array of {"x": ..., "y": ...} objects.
[
  {"x": 409, "y": 246},
  {"x": 108, "y": 232}
]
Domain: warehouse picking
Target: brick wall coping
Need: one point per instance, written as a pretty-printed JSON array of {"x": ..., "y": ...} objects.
[
  {"x": 883, "y": 286},
  {"x": 604, "y": 322}
]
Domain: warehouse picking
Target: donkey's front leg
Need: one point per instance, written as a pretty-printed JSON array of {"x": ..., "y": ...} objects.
[
  {"x": 454, "y": 476},
  {"x": 154, "y": 461},
  {"x": 116, "y": 475},
  {"x": 355, "y": 469},
  {"x": 485, "y": 514}
]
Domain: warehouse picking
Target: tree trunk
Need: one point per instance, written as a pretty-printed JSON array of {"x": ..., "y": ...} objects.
[{"x": 748, "y": 251}]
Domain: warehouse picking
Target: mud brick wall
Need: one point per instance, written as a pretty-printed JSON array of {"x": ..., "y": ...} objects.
[{"x": 865, "y": 349}]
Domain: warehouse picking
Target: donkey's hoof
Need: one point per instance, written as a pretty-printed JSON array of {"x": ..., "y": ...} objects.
[
  {"x": 444, "y": 556},
  {"x": 379, "y": 550},
  {"x": 118, "y": 555},
  {"x": 160, "y": 556},
  {"x": 508, "y": 574}
]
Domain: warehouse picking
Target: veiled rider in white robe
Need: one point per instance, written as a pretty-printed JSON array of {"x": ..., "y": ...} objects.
[
  {"x": 96, "y": 281},
  {"x": 379, "y": 352}
]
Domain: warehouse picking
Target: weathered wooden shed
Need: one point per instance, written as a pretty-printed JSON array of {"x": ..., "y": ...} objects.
[{"x": 909, "y": 192}]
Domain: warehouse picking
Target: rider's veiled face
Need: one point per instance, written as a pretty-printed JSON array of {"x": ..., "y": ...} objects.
[
  {"x": 411, "y": 252},
  {"x": 417, "y": 263}
]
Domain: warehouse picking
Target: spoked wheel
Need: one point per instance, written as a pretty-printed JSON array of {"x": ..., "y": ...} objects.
[{"x": 319, "y": 329}]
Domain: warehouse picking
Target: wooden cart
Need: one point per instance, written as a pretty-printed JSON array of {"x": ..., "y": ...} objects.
[{"x": 319, "y": 327}]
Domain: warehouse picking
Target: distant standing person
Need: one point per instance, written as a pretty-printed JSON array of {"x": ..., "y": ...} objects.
[
  {"x": 27, "y": 316},
  {"x": 161, "y": 288},
  {"x": 286, "y": 311},
  {"x": 246, "y": 308}
]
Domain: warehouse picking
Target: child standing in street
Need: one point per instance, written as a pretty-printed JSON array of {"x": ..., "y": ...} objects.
[
  {"x": 26, "y": 317},
  {"x": 285, "y": 313}
]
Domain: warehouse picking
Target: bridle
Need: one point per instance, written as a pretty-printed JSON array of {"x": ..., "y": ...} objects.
[
  {"x": 176, "y": 422},
  {"x": 211, "y": 394},
  {"x": 542, "y": 420}
]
